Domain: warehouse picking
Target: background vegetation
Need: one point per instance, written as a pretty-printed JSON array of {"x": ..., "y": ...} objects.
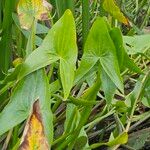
[{"x": 74, "y": 74}]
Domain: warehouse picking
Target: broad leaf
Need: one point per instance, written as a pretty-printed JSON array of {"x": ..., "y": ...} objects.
[
  {"x": 28, "y": 10},
  {"x": 111, "y": 7},
  {"x": 116, "y": 36},
  {"x": 33, "y": 136},
  {"x": 138, "y": 139},
  {"x": 137, "y": 44},
  {"x": 28, "y": 90},
  {"x": 59, "y": 44},
  {"x": 82, "y": 141},
  {"x": 87, "y": 64},
  {"x": 36, "y": 60},
  {"x": 108, "y": 87},
  {"x": 123, "y": 58},
  {"x": 99, "y": 47},
  {"x": 41, "y": 29}
]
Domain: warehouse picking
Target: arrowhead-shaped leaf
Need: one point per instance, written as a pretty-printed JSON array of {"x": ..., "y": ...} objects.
[
  {"x": 59, "y": 44},
  {"x": 28, "y": 90},
  {"x": 99, "y": 47},
  {"x": 28, "y": 10}
]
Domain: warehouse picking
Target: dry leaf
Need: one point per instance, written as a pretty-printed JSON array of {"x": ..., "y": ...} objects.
[
  {"x": 33, "y": 136},
  {"x": 28, "y": 10}
]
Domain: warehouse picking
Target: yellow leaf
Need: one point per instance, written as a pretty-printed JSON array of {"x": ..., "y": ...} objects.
[
  {"x": 28, "y": 10},
  {"x": 33, "y": 136},
  {"x": 17, "y": 62},
  {"x": 111, "y": 7}
]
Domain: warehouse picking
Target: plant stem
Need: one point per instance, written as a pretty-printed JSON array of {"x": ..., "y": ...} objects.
[
  {"x": 85, "y": 19},
  {"x": 7, "y": 140},
  {"x": 5, "y": 49},
  {"x": 135, "y": 102}
]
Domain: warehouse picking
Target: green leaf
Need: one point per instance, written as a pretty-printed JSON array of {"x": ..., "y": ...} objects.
[
  {"x": 146, "y": 93},
  {"x": 121, "y": 139},
  {"x": 59, "y": 44},
  {"x": 41, "y": 29},
  {"x": 54, "y": 86},
  {"x": 129, "y": 63},
  {"x": 28, "y": 10},
  {"x": 108, "y": 87},
  {"x": 138, "y": 139},
  {"x": 116, "y": 36},
  {"x": 87, "y": 64},
  {"x": 67, "y": 76},
  {"x": 81, "y": 102},
  {"x": 111, "y": 7},
  {"x": 110, "y": 66},
  {"x": 99, "y": 47},
  {"x": 120, "y": 106},
  {"x": 36, "y": 60},
  {"x": 13, "y": 75},
  {"x": 71, "y": 118},
  {"x": 28, "y": 90},
  {"x": 82, "y": 141},
  {"x": 7, "y": 7},
  {"x": 123, "y": 58},
  {"x": 137, "y": 43},
  {"x": 139, "y": 90},
  {"x": 90, "y": 94}
]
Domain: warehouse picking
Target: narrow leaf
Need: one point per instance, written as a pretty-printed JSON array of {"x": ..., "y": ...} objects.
[
  {"x": 121, "y": 139},
  {"x": 111, "y": 7}
]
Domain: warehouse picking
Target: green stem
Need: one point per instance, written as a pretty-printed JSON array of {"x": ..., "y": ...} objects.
[
  {"x": 85, "y": 19},
  {"x": 5, "y": 49},
  {"x": 137, "y": 99},
  {"x": 60, "y": 6},
  {"x": 31, "y": 41},
  {"x": 146, "y": 17}
]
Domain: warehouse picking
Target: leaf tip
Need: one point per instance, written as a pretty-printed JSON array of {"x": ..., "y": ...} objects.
[{"x": 68, "y": 12}]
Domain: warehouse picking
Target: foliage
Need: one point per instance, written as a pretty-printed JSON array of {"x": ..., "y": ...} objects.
[{"x": 67, "y": 90}]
